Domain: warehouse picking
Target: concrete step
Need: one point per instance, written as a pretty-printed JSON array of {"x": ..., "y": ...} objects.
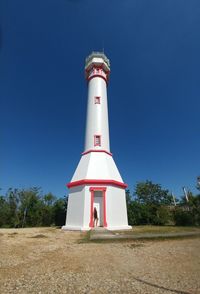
[{"x": 104, "y": 234}]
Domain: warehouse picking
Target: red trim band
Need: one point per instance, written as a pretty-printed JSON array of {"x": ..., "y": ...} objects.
[
  {"x": 98, "y": 189},
  {"x": 95, "y": 150},
  {"x": 99, "y": 76},
  {"x": 92, "y": 65},
  {"x": 97, "y": 182}
]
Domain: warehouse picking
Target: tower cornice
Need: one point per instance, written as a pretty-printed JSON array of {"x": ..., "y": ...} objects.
[
  {"x": 96, "y": 150},
  {"x": 97, "y": 182},
  {"x": 97, "y": 65}
]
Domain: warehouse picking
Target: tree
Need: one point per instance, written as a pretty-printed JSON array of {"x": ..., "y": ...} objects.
[
  {"x": 130, "y": 212},
  {"x": 152, "y": 203},
  {"x": 59, "y": 211},
  {"x": 47, "y": 209},
  {"x": 12, "y": 199},
  {"x": 4, "y": 212},
  {"x": 31, "y": 207},
  {"x": 49, "y": 199},
  {"x": 198, "y": 183},
  {"x": 188, "y": 212},
  {"x": 149, "y": 193},
  {"x": 183, "y": 217}
]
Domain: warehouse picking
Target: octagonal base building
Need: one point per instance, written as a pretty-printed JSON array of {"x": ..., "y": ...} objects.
[{"x": 96, "y": 182}]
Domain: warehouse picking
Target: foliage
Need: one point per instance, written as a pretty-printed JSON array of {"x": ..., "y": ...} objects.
[
  {"x": 188, "y": 213},
  {"x": 198, "y": 183},
  {"x": 29, "y": 208},
  {"x": 152, "y": 194},
  {"x": 149, "y": 204},
  {"x": 59, "y": 211},
  {"x": 152, "y": 205},
  {"x": 4, "y": 212},
  {"x": 183, "y": 217}
]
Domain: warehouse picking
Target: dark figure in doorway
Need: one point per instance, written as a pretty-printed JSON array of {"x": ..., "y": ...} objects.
[{"x": 95, "y": 217}]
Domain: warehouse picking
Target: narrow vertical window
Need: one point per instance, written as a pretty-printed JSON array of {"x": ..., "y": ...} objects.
[
  {"x": 97, "y": 100},
  {"x": 97, "y": 140}
]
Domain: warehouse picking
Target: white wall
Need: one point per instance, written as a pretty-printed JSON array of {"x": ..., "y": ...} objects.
[
  {"x": 97, "y": 115},
  {"x": 79, "y": 208},
  {"x": 116, "y": 207},
  {"x": 97, "y": 165},
  {"x": 75, "y": 213},
  {"x": 87, "y": 207}
]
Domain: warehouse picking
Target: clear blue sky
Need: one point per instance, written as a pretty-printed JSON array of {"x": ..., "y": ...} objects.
[{"x": 154, "y": 90}]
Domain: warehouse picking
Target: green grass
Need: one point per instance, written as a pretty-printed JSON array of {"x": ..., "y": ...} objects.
[
  {"x": 142, "y": 240},
  {"x": 85, "y": 237},
  {"x": 137, "y": 230},
  {"x": 158, "y": 229}
]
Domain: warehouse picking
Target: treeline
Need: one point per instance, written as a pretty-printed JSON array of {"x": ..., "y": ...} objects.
[
  {"x": 30, "y": 208},
  {"x": 150, "y": 204}
]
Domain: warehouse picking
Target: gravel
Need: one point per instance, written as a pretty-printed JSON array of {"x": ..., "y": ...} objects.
[{"x": 57, "y": 261}]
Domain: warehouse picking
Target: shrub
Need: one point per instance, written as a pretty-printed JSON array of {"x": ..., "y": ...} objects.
[{"x": 183, "y": 218}]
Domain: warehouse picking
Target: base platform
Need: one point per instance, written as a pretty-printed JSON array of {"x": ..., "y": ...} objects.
[{"x": 76, "y": 228}]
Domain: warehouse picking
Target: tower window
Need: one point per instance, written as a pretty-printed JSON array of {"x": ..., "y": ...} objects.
[
  {"x": 97, "y": 140},
  {"x": 97, "y": 100}
]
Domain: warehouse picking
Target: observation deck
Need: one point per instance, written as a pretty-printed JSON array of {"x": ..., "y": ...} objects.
[{"x": 97, "y": 64}]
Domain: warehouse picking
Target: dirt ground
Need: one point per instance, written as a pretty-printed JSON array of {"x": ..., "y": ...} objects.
[{"x": 49, "y": 260}]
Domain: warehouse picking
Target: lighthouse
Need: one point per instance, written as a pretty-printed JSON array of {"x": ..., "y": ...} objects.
[{"x": 96, "y": 182}]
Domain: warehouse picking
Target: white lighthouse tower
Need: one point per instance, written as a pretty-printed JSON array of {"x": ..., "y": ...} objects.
[{"x": 96, "y": 181}]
